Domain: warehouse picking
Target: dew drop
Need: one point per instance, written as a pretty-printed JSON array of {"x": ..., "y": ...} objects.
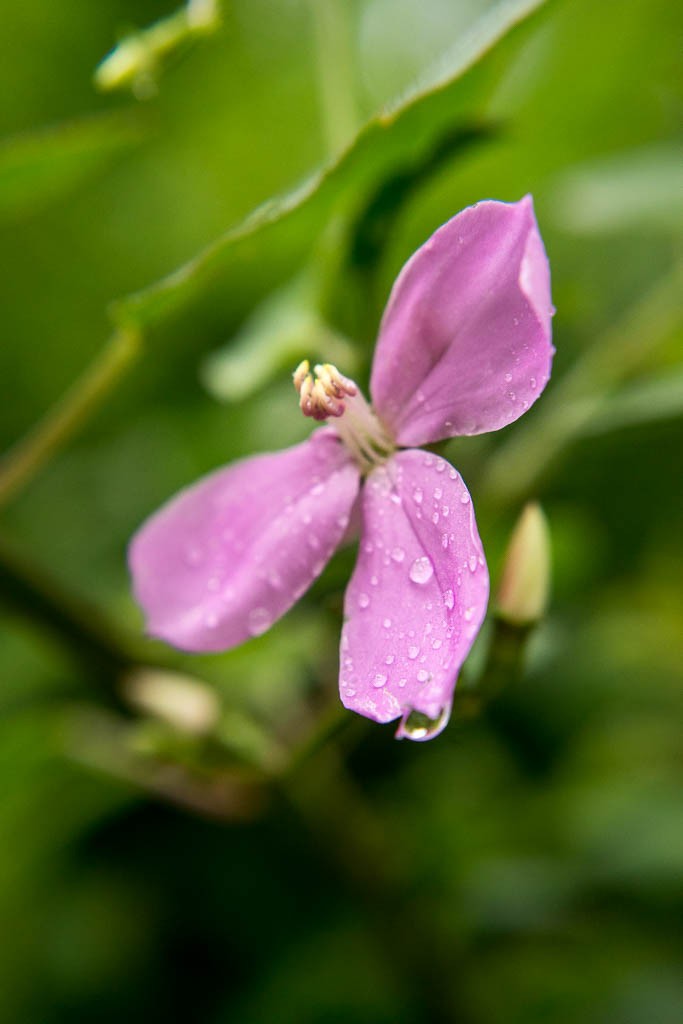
[
  {"x": 417, "y": 726},
  {"x": 435, "y": 517},
  {"x": 469, "y": 614},
  {"x": 453, "y": 473},
  {"x": 193, "y": 555},
  {"x": 258, "y": 621},
  {"x": 389, "y": 660},
  {"x": 449, "y": 599},
  {"x": 398, "y": 554},
  {"x": 472, "y": 562},
  {"x": 511, "y": 396},
  {"x": 413, "y": 653},
  {"x": 417, "y": 496},
  {"x": 373, "y": 581},
  {"x": 440, "y": 466},
  {"x": 387, "y": 623},
  {"x": 508, "y": 378},
  {"x": 532, "y": 382},
  {"x": 402, "y": 682},
  {"x": 438, "y": 493},
  {"x": 422, "y": 676},
  {"x": 465, "y": 498},
  {"x": 363, "y": 600},
  {"x": 422, "y": 570},
  {"x": 379, "y": 680},
  {"x": 445, "y": 511},
  {"x": 436, "y": 643},
  {"x": 444, "y": 540}
]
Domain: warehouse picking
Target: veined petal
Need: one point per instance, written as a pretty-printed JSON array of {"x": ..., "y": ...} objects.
[
  {"x": 418, "y": 593},
  {"x": 228, "y": 556},
  {"x": 464, "y": 346}
]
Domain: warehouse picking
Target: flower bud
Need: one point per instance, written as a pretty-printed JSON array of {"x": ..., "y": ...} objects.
[
  {"x": 524, "y": 587},
  {"x": 181, "y": 701}
]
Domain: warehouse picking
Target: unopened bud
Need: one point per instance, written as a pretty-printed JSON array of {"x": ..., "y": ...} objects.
[
  {"x": 525, "y": 584},
  {"x": 181, "y": 701}
]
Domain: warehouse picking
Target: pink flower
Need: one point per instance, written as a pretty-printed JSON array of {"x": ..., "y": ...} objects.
[{"x": 464, "y": 348}]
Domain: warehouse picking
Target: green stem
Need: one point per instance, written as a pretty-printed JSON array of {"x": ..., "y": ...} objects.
[
  {"x": 68, "y": 415},
  {"x": 336, "y": 79}
]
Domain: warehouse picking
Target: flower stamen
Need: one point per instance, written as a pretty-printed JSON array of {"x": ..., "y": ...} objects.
[{"x": 329, "y": 394}]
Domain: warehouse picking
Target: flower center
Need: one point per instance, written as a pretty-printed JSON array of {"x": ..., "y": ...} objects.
[{"x": 327, "y": 394}]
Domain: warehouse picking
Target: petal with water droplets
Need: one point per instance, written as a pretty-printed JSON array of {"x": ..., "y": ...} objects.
[
  {"x": 464, "y": 345},
  {"x": 228, "y": 556},
  {"x": 414, "y": 604}
]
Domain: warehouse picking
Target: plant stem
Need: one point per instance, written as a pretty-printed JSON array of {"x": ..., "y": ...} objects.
[
  {"x": 68, "y": 415},
  {"x": 336, "y": 79}
]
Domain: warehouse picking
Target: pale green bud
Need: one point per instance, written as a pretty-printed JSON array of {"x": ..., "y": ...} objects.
[{"x": 524, "y": 588}]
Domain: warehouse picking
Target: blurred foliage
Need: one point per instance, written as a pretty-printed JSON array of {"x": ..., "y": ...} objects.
[{"x": 285, "y": 862}]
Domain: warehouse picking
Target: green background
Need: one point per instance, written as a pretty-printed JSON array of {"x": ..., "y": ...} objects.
[{"x": 298, "y": 864}]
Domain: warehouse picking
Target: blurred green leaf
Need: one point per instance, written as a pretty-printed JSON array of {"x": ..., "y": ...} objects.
[
  {"x": 40, "y": 166},
  {"x": 638, "y": 187},
  {"x": 449, "y": 92}
]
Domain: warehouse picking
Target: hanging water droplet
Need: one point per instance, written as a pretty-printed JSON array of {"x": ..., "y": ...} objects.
[
  {"x": 258, "y": 621},
  {"x": 363, "y": 600},
  {"x": 417, "y": 726},
  {"x": 413, "y": 653},
  {"x": 422, "y": 570}
]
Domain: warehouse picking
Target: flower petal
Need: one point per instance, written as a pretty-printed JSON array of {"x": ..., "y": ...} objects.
[
  {"x": 464, "y": 345},
  {"x": 418, "y": 593},
  {"x": 226, "y": 557}
]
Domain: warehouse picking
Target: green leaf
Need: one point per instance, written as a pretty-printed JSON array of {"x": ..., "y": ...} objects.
[
  {"x": 451, "y": 93},
  {"x": 39, "y": 167}
]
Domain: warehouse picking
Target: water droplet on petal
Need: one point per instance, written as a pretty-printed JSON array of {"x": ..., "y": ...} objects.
[
  {"x": 532, "y": 382},
  {"x": 449, "y": 599},
  {"x": 193, "y": 555},
  {"x": 387, "y": 623},
  {"x": 398, "y": 554},
  {"x": 440, "y": 466},
  {"x": 211, "y": 620},
  {"x": 465, "y": 498},
  {"x": 422, "y": 570},
  {"x": 258, "y": 621},
  {"x": 363, "y": 600},
  {"x": 317, "y": 489},
  {"x": 373, "y": 581},
  {"x": 389, "y": 660},
  {"x": 402, "y": 682},
  {"x": 379, "y": 680},
  {"x": 435, "y": 517},
  {"x": 423, "y": 676},
  {"x": 436, "y": 643},
  {"x": 413, "y": 653},
  {"x": 417, "y": 496},
  {"x": 472, "y": 562},
  {"x": 508, "y": 378},
  {"x": 469, "y": 613}
]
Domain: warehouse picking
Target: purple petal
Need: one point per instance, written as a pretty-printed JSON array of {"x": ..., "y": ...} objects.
[
  {"x": 227, "y": 557},
  {"x": 418, "y": 593},
  {"x": 464, "y": 345}
]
